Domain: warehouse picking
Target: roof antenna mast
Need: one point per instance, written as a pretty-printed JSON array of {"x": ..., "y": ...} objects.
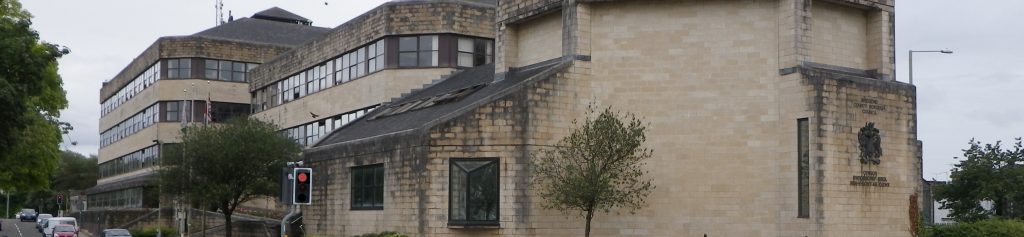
[{"x": 218, "y": 6}]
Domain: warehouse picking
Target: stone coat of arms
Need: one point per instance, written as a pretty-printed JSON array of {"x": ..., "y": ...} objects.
[{"x": 870, "y": 144}]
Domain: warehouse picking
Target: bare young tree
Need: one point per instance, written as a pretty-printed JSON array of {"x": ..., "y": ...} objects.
[{"x": 597, "y": 167}]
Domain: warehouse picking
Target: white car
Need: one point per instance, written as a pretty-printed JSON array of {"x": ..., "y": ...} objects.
[{"x": 52, "y": 222}]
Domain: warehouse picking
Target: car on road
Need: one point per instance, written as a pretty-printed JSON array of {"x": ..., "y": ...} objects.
[
  {"x": 56, "y": 221},
  {"x": 40, "y": 219},
  {"x": 65, "y": 231},
  {"x": 116, "y": 233},
  {"x": 27, "y": 215}
]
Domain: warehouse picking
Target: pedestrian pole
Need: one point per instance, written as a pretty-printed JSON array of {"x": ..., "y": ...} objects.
[{"x": 284, "y": 221}]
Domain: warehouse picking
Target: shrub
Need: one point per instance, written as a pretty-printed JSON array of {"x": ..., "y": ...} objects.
[
  {"x": 151, "y": 232},
  {"x": 984, "y": 228}
]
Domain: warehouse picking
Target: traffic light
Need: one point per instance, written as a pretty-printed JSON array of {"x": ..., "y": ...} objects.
[
  {"x": 302, "y": 186},
  {"x": 60, "y": 199}
]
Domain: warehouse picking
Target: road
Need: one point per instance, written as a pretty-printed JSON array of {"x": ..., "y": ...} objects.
[{"x": 15, "y": 228}]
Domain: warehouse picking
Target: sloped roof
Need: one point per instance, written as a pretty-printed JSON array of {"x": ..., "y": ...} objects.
[
  {"x": 278, "y": 14},
  {"x": 371, "y": 125},
  {"x": 253, "y": 30}
]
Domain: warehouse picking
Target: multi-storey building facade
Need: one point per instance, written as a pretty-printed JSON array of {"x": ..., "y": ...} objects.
[
  {"x": 390, "y": 50},
  {"x": 143, "y": 107},
  {"x": 766, "y": 118}
]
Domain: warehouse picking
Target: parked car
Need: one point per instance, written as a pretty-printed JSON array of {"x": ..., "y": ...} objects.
[
  {"x": 116, "y": 233},
  {"x": 65, "y": 231},
  {"x": 40, "y": 219},
  {"x": 27, "y": 215},
  {"x": 55, "y": 221}
]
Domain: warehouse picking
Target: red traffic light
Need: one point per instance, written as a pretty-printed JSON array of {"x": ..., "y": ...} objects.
[{"x": 302, "y": 186}]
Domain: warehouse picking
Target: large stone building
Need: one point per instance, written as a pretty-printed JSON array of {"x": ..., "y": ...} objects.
[
  {"x": 277, "y": 67},
  {"x": 390, "y": 50},
  {"x": 167, "y": 85},
  {"x": 767, "y": 118}
]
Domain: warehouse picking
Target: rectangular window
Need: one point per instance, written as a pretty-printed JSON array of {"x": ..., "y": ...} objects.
[
  {"x": 179, "y": 68},
  {"x": 368, "y": 187},
  {"x": 474, "y": 52},
  {"x": 473, "y": 191},
  {"x": 803, "y": 170},
  {"x": 417, "y": 51},
  {"x": 172, "y": 111}
]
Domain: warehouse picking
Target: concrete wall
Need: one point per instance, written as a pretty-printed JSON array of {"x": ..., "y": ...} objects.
[
  {"x": 168, "y": 132},
  {"x": 189, "y": 46},
  {"x": 392, "y": 18},
  {"x": 171, "y": 90},
  {"x": 373, "y": 89}
]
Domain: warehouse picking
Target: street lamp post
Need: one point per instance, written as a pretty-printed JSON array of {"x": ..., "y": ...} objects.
[
  {"x": 160, "y": 186},
  {"x": 910, "y": 59}
]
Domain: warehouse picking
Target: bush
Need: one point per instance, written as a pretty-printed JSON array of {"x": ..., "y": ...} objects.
[
  {"x": 984, "y": 228},
  {"x": 151, "y": 232},
  {"x": 383, "y": 234}
]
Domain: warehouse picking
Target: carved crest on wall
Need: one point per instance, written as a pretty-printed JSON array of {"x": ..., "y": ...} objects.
[{"x": 870, "y": 144}]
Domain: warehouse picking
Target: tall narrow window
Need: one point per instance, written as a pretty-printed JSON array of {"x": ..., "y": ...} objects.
[
  {"x": 368, "y": 187},
  {"x": 473, "y": 192},
  {"x": 803, "y": 170},
  {"x": 172, "y": 111}
]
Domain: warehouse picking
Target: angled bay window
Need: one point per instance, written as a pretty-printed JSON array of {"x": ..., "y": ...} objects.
[
  {"x": 368, "y": 187},
  {"x": 418, "y": 51},
  {"x": 473, "y": 191},
  {"x": 179, "y": 68},
  {"x": 474, "y": 52}
]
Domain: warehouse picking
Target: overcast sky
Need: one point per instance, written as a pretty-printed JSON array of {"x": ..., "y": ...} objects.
[{"x": 973, "y": 93}]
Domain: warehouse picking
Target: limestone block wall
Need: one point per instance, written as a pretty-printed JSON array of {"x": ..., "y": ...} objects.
[
  {"x": 843, "y": 105},
  {"x": 538, "y": 40},
  {"x": 407, "y": 191},
  {"x": 708, "y": 85},
  {"x": 839, "y": 35},
  {"x": 375, "y": 88}
]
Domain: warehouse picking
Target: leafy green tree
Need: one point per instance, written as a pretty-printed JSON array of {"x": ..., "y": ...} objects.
[
  {"x": 227, "y": 164},
  {"x": 74, "y": 174},
  {"x": 986, "y": 173},
  {"x": 597, "y": 167},
  {"x": 31, "y": 98}
]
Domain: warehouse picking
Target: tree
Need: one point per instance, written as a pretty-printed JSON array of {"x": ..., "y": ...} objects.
[
  {"x": 227, "y": 164},
  {"x": 599, "y": 166},
  {"x": 987, "y": 173},
  {"x": 31, "y": 98}
]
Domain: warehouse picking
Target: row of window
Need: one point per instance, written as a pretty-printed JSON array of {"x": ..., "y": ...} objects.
[
  {"x": 308, "y": 133},
  {"x": 142, "y": 81},
  {"x": 221, "y": 70},
  {"x": 141, "y": 159},
  {"x": 132, "y": 125},
  {"x": 472, "y": 190},
  {"x": 171, "y": 111},
  {"x": 406, "y": 52},
  {"x": 348, "y": 66},
  {"x": 125, "y": 198}
]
